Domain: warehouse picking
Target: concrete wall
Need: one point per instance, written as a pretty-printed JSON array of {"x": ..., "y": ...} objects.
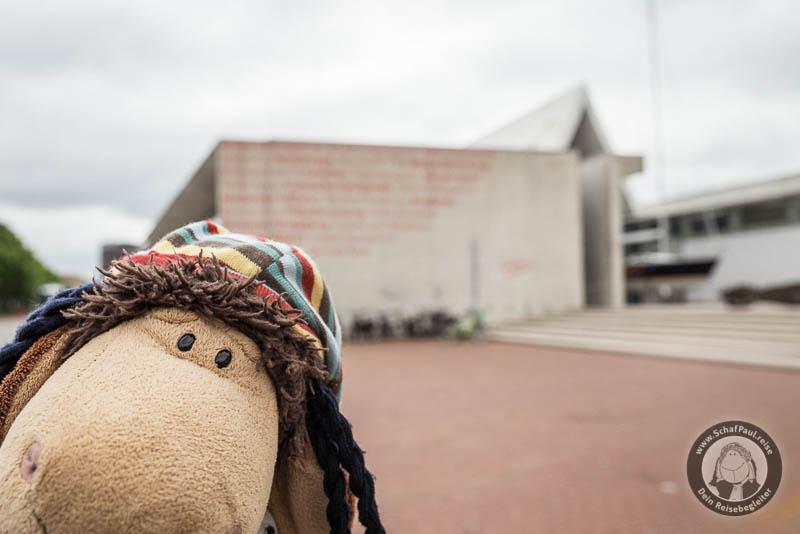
[
  {"x": 195, "y": 202},
  {"x": 601, "y": 199},
  {"x": 391, "y": 228}
]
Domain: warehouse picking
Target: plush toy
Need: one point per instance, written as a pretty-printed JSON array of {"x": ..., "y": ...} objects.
[{"x": 193, "y": 389}]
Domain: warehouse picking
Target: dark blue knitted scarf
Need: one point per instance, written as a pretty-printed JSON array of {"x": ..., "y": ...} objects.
[{"x": 40, "y": 322}]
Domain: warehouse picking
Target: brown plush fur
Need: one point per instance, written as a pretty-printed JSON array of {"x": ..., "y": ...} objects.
[
  {"x": 202, "y": 285},
  {"x": 32, "y": 370},
  {"x": 298, "y": 502}
]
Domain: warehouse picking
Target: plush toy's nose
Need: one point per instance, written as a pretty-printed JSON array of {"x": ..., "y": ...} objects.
[{"x": 30, "y": 462}]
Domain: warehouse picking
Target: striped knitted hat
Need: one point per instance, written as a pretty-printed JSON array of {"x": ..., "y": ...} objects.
[{"x": 282, "y": 272}]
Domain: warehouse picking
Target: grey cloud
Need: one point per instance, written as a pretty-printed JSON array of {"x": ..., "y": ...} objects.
[{"x": 98, "y": 97}]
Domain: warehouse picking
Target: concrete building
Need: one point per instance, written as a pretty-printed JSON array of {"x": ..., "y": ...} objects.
[
  {"x": 517, "y": 232},
  {"x": 568, "y": 123},
  {"x": 745, "y": 235}
]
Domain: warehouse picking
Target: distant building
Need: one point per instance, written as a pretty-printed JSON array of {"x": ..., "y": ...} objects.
[
  {"x": 694, "y": 247},
  {"x": 526, "y": 221}
]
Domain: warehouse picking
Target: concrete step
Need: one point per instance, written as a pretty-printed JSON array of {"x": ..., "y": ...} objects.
[
  {"x": 732, "y": 317},
  {"x": 692, "y": 328},
  {"x": 670, "y": 350},
  {"x": 772, "y": 325},
  {"x": 753, "y": 337},
  {"x": 698, "y": 335}
]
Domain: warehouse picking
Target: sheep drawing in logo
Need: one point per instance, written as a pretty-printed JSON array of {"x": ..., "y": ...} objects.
[{"x": 735, "y": 473}]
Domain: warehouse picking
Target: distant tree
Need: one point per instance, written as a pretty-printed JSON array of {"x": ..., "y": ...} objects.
[{"x": 21, "y": 274}]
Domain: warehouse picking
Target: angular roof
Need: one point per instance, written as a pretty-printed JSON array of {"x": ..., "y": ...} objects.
[{"x": 568, "y": 122}]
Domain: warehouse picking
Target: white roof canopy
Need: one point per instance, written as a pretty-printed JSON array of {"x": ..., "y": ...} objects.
[
  {"x": 724, "y": 198},
  {"x": 565, "y": 123}
]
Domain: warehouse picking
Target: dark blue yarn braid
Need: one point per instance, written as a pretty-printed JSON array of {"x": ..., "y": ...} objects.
[
  {"x": 41, "y": 321},
  {"x": 332, "y": 439},
  {"x": 335, "y": 486}
]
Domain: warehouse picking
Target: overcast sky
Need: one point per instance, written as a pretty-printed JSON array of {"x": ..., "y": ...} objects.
[{"x": 108, "y": 107}]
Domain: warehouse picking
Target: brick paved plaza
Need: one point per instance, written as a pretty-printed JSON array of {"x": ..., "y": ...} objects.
[{"x": 489, "y": 437}]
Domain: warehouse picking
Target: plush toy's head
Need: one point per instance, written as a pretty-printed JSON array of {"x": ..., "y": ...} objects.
[{"x": 193, "y": 389}]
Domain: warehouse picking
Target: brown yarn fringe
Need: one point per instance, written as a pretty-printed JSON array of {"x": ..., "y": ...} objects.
[
  {"x": 10, "y": 385},
  {"x": 129, "y": 290}
]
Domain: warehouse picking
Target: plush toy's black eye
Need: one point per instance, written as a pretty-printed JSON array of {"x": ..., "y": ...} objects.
[
  {"x": 223, "y": 358},
  {"x": 185, "y": 342}
]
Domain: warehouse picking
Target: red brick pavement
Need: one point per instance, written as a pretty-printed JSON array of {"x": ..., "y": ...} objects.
[{"x": 485, "y": 437}]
